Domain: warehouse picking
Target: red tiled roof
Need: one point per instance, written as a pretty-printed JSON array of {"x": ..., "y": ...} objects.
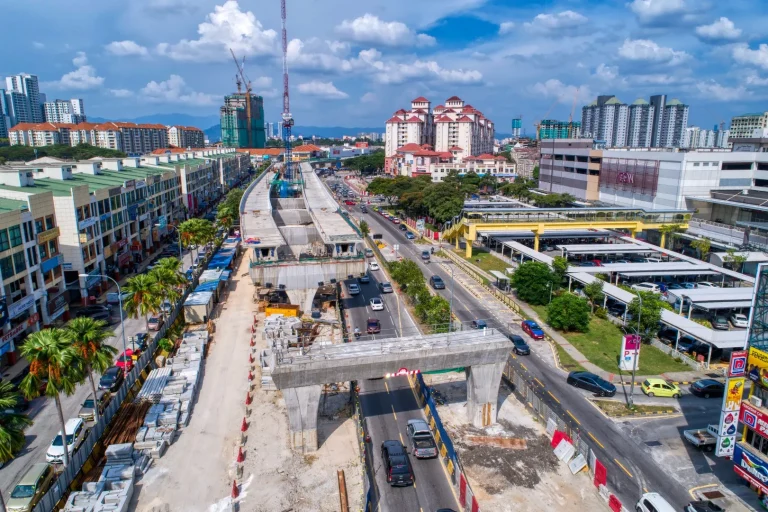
[
  {"x": 443, "y": 119},
  {"x": 455, "y": 148},
  {"x": 85, "y": 126},
  {"x": 425, "y": 152},
  {"x": 420, "y": 99},
  {"x": 401, "y": 111},
  {"x": 439, "y": 107},
  {"x": 22, "y": 127},
  {"x": 262, "y": 151},
  {"x": 163, "y": 151},
  {"x": 488, "y": 156},
  {"x": 419, "y": 111},
  {"x": 306, "y": 148},
  {"x": 453, "y": 98},
  {"x": 449, "y": 111},
  {"x": 426, "y": 146},
  {"x": 468, "y": 106},
  {"x": 463, "y": 119},
  {"x": 413, "y": 119},
  {"x": 409, "y": 148},
  {"x": 394, "y": 120},
  {"x": 445, "y": 154},
  {"x": 469, "y": 110}
]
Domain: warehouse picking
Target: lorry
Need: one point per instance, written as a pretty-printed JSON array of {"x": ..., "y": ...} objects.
[{"x": 702, "y": 438}]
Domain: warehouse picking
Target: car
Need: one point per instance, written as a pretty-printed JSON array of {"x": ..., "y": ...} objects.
[
  {"x": 75, "y": 433},
  {"x": 521, "y": 348},
  {"x": 402, "y": 227},
  {"x": 111, "y": 379},
  {"x": 688, "y": 344},
  {"x": 591, "y": 382},
  {"x": 125, "y": 360},
  {"x": 353, "y": 288},
  {"x": 668, "y": 335},
  {"x": 425, "y": 255},
  {"x": 661, "y": 388},
  {"x": 739, "y": 320},
  {"x": 479, "y": 324},
  {"x": 707, "y": 388},
  {"x": 719, "y": 322},
  {"x": 396, "y": 464},
  {"x": 140, "y": 340},
  {"x": 365, "y": 278},
  {"x": 675, "y": 286},
  {"x": 376, "y": 304},
  {"x": 31, "y": 488},
  {"x": 166, "y": 307},
  {"x": 114, "y": 298},
  {"x": 395, "y": 220},
  {"x": 87, "y": 410},
  {"x": 437, "y": 282},
  {"x": 646, "y": 287},
  {"x": 369, "y": 253},
  {"x": 373, "y": 266},
  {"x": 420, "y": 436},
  {"x": 653, "y": 502},
  {"x": 349, "y": 202},
  {"x": 588, "y": 264},
  {"x": 373, "y": 326},
  {"x": 532, "y": 329},
  {"x": 155, "y": 323},
  {"x": 703, "y": 506},
  {"x": 410, "y": 236},
  {"x": 364, "y": 209},
  {"x": 385, "y": 287},
  {"x": 707, "y": 284}
]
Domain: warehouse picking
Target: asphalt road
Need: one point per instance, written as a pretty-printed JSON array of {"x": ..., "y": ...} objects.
[
  {"x": 43, "y": 411},
  {"x": 388, "y": 404},
  {"x": 631, "y": 470}
]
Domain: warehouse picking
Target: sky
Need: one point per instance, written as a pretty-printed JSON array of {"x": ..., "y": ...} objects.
[{"x": 355, "y": 63}]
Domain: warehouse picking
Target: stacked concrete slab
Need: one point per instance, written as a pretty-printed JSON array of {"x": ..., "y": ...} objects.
[{"x": 281, "y": 330}]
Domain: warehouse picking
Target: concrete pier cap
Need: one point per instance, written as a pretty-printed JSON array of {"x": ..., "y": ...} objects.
[{"x": 300, "y": 377}]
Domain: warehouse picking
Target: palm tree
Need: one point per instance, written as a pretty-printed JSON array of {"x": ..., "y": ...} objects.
[
  {"x": 88, "y": 337},
  {"x": 364, "y": 229},
  {"x": 168, "y": 282},
  {"x": 226, "y": 216},
  {"x": 172, "y": 264},
  {"x": 144, "y": 296},
  {"x": 51, "y": 357},
  {"x": 11, "y": 424}
]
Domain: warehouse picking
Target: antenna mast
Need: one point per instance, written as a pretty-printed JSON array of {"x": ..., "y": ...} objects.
[{"x": 287, "y": 117}]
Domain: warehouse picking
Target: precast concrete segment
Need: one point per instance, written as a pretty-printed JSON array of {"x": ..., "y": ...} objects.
[
  {"x": 302, "y": 404},
  {"x": 256, "y": 214},
  {"x": 324, "y": 209},
  {"x": 482, "y": 393}
]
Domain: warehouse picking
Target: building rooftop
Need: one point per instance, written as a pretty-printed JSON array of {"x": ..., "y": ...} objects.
[
  {"x": 12, "y": 205},
  {"x": 675, "y": 102},
  {"x": 640, "y": 101},
  {"x": 615, "y": 101}
]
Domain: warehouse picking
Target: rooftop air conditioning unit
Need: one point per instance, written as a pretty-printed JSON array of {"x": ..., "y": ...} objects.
[{"x": 756, "y": 401}]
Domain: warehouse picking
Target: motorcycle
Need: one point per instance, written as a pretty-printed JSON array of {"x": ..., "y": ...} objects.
[{"x": 357, "y": 333}]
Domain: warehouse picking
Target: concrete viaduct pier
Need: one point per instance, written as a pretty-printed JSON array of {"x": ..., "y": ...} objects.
[{"x": 301, "y": 376}]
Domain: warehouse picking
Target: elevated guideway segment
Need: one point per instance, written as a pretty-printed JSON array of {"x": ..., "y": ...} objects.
[
  {"x": 259, "y": 230},
  {"x": 332, "y": 226}
]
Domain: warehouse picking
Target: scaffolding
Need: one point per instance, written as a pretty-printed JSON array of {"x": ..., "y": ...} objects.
[{"x": 234, "y": 121}]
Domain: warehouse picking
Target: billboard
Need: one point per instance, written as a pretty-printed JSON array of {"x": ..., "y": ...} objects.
[
  {"x": 630, "y": 352},
  {"x": 751, "y": 468},
  {"x": 757, "y": 366},
  {"x": 738, "y": 364},
  {"x": 729, "y": 411},
  {"x": 629, "y": 174},
  {"x": 754, "y": 418}
]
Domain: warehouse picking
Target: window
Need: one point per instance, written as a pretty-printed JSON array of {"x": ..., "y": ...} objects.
[
  {"x": 19, "y": 262},
  {"x": 14, "y": 233},
  {"x": 4, "y": 243},
  {"x": 28, "y": 233},
  {"x": 6, "y": 267},
  {"x": 49, "y": 223},
  {"x": 32, "y": 256},
  {"x": 696, "y": 164},
  {"x": 53, "y": 247}
]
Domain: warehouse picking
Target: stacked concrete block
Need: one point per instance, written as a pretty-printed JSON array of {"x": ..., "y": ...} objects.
[{"x": 101, "y": 497}]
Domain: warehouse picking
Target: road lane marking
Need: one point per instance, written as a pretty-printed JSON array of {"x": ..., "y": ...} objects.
[
  {"x": 401, "y": 438},
  {"x": 386, "y": 386},
  {"x": 393, "y": 411},
  {"x": 553, "y": 396},
  {"x": 598, "y": 442},
  {"x": 524, "y": 367},
  {"x": 569, "y": 413},
  {"x": 622, "y": 467},
  {"x": 538, "y": 382}
]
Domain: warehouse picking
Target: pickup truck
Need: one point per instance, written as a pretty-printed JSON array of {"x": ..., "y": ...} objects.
[{"x": 702, "y": 438}]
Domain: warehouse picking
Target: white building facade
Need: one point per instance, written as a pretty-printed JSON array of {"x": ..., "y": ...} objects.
[
  {"x": 744, "y": 126},
  {"x": 70, "y": 111}
]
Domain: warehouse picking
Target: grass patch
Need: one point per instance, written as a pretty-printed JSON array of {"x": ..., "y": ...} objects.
[
  {"x": 619, "y": 408},
  {"x": 483, "y": 259},
  {"x": 566, "y": 361}
]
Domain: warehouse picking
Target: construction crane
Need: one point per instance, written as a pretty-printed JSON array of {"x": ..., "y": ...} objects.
[
  {"x": 242, "y": 79},
  {"x": 537, "y": 124},
  {"x": 570, "y": 117},
  {"x": 287, "y": 117}
]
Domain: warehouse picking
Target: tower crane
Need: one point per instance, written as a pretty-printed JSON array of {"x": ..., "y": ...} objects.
[
  {"x": 240, "y": 80},
  {"x": 573, "y": 107},
  {"x": 537, "y": 124},
  {"x": 287, "y": 117}
]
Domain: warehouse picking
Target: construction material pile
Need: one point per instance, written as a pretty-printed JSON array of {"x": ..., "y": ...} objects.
[
  {"x": 130, "y": 417},
  {"x": 281, "y": 331}
]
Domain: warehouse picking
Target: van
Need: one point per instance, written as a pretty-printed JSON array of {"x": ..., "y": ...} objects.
[
  {"x": 32, "y": 486},
  {"x": 653, "y": 502}
]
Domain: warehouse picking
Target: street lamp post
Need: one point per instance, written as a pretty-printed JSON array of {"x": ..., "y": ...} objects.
[
  {"x": 120, "y": 301},
  {"x": 637, "y": 355},
  {"x": 450, "y": 305}
]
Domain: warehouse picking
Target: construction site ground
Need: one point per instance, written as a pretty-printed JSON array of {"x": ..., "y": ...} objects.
[
  {"x": 197, "y": 472},
  {"x": 524, "y": 475}
]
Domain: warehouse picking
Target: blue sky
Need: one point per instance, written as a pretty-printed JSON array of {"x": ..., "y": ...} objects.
[{"x": 354, "y": 63}]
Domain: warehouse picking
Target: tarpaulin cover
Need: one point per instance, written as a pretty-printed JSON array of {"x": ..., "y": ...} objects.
[
  {"x": 208, "y": 286},
  {"x": 198, "y": 298},
  {"x": 225, "y": 275}
]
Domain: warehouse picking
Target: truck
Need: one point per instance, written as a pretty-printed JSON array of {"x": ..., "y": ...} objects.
[{"x": 702, "y": 438}]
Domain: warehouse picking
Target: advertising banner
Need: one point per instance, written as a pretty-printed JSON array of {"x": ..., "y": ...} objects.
[
  {"x": 630, "y": 352},
  {"x": 725, "y": 445},
  {"x": 734, "y": 388},
  {"x": 751, "y": 467},
  {"x": 757, "y": 366},
  {"x": 20, "y": 306},
  {"x": 754, "y": 418},
  {"x": 738, "y": 365},
  {"x": 45, "y": 236}
]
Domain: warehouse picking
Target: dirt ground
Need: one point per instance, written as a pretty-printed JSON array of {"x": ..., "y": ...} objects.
[
  {"x": 527, "y": 476},
  {"x": 197, "y": 471}
]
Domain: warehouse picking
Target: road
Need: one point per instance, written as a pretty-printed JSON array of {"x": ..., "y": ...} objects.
[
  {"x": 388, "y": 404},
  {"x": 43, "y": 411},
  {"x": 631, "y": 470}
]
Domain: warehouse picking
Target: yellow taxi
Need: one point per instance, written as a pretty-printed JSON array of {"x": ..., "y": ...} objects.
[{"x": 660, "y": 387}]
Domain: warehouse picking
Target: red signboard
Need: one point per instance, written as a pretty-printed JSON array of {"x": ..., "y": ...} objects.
[
  {"x": 33, "y": 318},
  {"x": 754, "y": 418},
  {"x": 738, "y": 364},
  {"x": 629, "y": 174}
]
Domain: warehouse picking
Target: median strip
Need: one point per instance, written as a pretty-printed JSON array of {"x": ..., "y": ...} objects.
[{"x": 619, "y": 409}]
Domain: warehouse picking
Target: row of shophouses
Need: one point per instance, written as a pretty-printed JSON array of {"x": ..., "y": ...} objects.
[{"x": 66, "y": 224}]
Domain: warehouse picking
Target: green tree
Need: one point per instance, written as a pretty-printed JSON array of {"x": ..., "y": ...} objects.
[
  {"x": 568, "y": 312},
  {"x": 560, "y": 269},
  {"x": 703, "y": 245},
  {"x": 437, "y": 314},
  {"x": 196, "y": 232},
  {"x": 536, "y": 173},
  {"x": 380, "y": 186},
  {"x": 670, "y": 231},
  {"x": 226, "y": 216},
  {"x": 366, "y": 164},
  {"x": 444, "y": 201},
  {"x": 364, "y": 228},
  {"x": 534, "y": 281},
  {"x": 88, "y": 338},
  {"x": 51, "y": 357},
  {"x": 144, "y": 296},
  {"x": 413, "y": 203},
  {"x": 594, "y": 292},
  {"x": 11, "y": 424},
  {"x": 169, "y": 283},
  {"x": 406, "y": 273},
  {"x": 649, "y": 317},
  {"x": 735, "y": 259}
]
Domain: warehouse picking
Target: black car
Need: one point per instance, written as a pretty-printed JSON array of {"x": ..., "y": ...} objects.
[
  {"x": 706, "y": 388},
  {"x": 591, "y": 382},
  {"x": 402, "y": 227},
  {"x": 396, "y": 463},
  {"x": 437, "y": 283},
  {"x": 521, "y": 347},
  {"x": 111, "y": 379},
  {"x": 668, "y": 335}
]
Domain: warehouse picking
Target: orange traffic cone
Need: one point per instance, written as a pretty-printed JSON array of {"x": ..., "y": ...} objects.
[
  {"x": 248, "y": 399},
  {"x": 244, "y": 426},
  {"x": 240, "y": 455},
  {"x": 235, "y": 490}
]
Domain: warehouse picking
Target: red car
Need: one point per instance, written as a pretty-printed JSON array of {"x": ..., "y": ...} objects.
[
  {"x": 125, "y": 360},
  {"x": 532, "y": 329},
  {"x": 349, "y": 202}
]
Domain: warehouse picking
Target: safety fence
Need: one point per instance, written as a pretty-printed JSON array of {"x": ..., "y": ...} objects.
[
  {"x": 91, "y": 450},
  {"x": 370, "y": 497},
  {"x": 483, "y": 281},
  {"x": 447, "y": 451}
]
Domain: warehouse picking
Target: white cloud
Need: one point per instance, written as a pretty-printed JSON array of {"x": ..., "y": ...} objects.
[
  {"x": 368, "y": 97},
  {"x": 370, "y": 29},
  {"x": 338, "y": 47},
  {"x": 649, "y": 51},
  {"x": 554, "y": 88},
  {"x": 649, "y": 11},
  {"x": 263, "y": 87},
  {"x": 175, "y": 90},
  {"x": 754, "y": 79},
  {"x": 323, "y": 90},
  {"x": 38, "y": 45},
  {"x": 606, "y": 72},
  {"x": 83, "y": 78},
  {"x": 506, "y": 27},
  {"x": 721, "y": 30},
  {"x": 299, "y": 59},
  {"x": 714, "y": 91},
  {"x": 559, "y": 21},
  {"x": 743, "y": 54},
  {"x": 121, "y": 93},
  {"x": 123, "y": 48},
  {"x": 227, "y": 27}
]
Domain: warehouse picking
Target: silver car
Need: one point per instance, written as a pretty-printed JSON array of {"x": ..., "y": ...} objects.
[{"x": 421, "y": 440}]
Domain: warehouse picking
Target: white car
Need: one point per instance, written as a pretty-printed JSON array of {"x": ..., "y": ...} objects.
[
  {"x": 75, "y": 433},
  {"x": 739, "y": 320},
  {"x": 707, "y": 284},
  {"x": 354, "y": 288},
  {"x": 646, "y": 287},
  {"x": 373, "y": 266},
  {"x": 376, "y": 304}
]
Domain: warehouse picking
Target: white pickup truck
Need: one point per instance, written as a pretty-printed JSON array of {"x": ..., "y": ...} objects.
[{"x": 702, "y": 438}]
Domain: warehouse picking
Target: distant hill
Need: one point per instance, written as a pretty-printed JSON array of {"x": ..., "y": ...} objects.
[
  {"x": 213, "y": 134},
  {"x": 166, "y": 119}
]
